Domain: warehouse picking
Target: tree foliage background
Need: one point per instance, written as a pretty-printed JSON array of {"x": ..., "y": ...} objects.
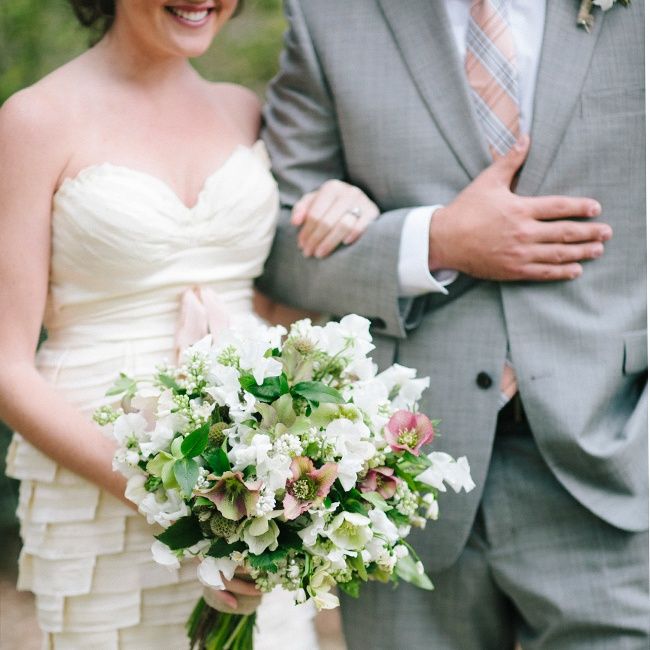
[{"x": 38, "y": 36}]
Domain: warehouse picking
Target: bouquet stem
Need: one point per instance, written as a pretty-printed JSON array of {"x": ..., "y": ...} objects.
[{"x": 209, "y": 629}]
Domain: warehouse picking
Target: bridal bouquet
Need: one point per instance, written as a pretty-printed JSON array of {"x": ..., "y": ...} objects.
[{"x": 285, "y": 455}]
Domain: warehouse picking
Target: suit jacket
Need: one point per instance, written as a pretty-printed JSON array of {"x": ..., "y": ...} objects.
[{"x": 373, "y": 92}]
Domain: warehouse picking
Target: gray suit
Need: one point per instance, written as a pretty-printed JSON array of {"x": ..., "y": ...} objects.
[{"x": 373, "y": 92}]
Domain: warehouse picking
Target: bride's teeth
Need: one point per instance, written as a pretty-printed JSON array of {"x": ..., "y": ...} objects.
[{"x": 192, "y": 16}]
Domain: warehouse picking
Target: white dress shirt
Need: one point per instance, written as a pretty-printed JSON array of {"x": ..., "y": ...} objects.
[{"x": 526, "y": 20}]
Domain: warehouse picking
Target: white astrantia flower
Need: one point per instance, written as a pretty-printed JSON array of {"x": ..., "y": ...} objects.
[
  {"x": 444, "y": 469},
  {"x": 213, "y": 571},
  {"x": 404, "y": 389},
  {"x": 164, "y": 556},
  {"x": 163, "y": 511}
]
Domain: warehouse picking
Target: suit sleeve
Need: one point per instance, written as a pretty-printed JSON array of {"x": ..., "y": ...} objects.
[{"x": 301, "y": 133}]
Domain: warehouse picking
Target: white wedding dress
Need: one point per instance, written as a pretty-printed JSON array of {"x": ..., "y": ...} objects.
[{"x": 124, "y": 250}]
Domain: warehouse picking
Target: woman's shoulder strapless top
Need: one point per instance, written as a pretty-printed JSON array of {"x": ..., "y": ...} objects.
[{"x": 125, "y": 246}]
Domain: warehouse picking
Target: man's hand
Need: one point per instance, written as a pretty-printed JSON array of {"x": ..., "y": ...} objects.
[{"x": 491, "y": 233}]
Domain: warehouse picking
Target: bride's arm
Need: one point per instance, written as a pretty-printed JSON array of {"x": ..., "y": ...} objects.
[
  {"x": 30, "y": 164},
  {"x": 335, "y": 214}
]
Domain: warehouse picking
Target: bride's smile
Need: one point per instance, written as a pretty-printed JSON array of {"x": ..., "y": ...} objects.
[{"x": 191, "y": 15}]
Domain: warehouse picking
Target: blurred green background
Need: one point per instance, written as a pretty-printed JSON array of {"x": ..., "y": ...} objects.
[{"x": 38, "y": 36}]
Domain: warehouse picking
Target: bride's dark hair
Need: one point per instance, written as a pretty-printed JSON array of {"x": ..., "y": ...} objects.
[{"x": 99, "y": 14}]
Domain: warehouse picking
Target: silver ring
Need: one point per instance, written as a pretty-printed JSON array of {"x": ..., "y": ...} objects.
[{"x": 355, "y": 212}]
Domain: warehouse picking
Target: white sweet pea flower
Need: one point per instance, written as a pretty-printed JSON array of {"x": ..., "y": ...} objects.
[
  {"x": 213, "y": 571},
  {"x": 400, "y": 551},
  {"x": 319, "y": 518},
  {"x": 164, "y": 556},
  {"x": 351, "y": 444},
  {"x": 250, "y": 451},
  {"x": 605, "y": 5},
  {"x": 163, "y": 433},
  {"x": 130, "y": 430},
  {"x": 403, "y": 387},
  {"x": 163, "y": 512},
  {"x": 383, "y": 525},
  {"x": 444, "y": 469},
  {"x": 275, "y": 471},
  {"x": 372, "y": 398},
  {"x": 351, "y": 335},
  {"x": 135, "y": 490}
]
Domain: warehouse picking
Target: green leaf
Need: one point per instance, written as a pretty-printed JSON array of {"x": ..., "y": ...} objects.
[
  {"x": 268, "y": 561},
  {"x": 271, "y": 388},
  {"x": 124, "y": 385},
  {"x": 195, "y": 442},
  {"x": 218, "y": 461},
  {"x": 376, "y": 500},
  {"x": 317, "y": 392},
  {"x": 221, "y": 548},
  {"x": 186, "y": 472},
  {"x": 182, "y": 534},
  {"x": 407, "y": 570},
  {"x": 351, "y": 588},
  {"x": 284, "y": 409},
  {"x": 357, "y": 563},
  {"x": 398, "y": 518},
  {"x": 354, "y": 505},
  {"x": 169, "y": 382}
]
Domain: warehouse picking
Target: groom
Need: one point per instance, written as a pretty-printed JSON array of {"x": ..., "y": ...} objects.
[{"x": 527, "y": 310}]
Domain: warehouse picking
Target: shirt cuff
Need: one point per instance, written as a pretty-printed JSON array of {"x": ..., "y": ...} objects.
[{"x": 414, "y": 276}]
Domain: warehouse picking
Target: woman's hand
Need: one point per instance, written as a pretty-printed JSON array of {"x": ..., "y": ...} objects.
[
  {"x": 241, "y": 596},
  {"x": 336, "y": 213}
]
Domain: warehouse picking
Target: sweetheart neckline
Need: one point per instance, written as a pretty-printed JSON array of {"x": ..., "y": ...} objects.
[{"x": 88, "y": 169}]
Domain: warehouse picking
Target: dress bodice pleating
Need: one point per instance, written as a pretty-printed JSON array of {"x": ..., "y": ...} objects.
[{"x": 125, "y": 247}]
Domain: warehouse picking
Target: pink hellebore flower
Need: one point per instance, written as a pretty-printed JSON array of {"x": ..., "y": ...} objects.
[
  {"x": 382, "y": 481},
  {"x": 308, "y": 486},
  {"x": 234, "y": 497},
  {"x": 408, "y": 431}
]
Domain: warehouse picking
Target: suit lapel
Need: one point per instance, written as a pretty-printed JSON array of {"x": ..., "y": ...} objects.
[
  {"x": 421, "y": 30},
  {"x": 566, "y": 54}
]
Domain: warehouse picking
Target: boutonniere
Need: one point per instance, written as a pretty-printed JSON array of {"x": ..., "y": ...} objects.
[{"x": 585, "y": 19}]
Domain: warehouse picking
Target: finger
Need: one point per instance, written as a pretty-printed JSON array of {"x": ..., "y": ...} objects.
[
  {"x": 320, "y": 206},
  {"x": 301, "y": 208},
  {"x": 506, "y": 167},
  {"x": 362, "y": 224},
  {"x": 559, "y": 207},
  {"x": 571, "y": 232},
  {"x": 325, "y": 224},
  {"x": 336, "y": 235},
  {"x": 242, "y": 587},
  {"x": 550, "y": 272},
  {"x": 560, "y": 254},
  {"x": 220, "y": 600}
]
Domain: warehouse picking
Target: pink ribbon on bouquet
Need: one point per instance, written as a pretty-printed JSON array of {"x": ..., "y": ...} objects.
[{"x": 202, "y": 313}]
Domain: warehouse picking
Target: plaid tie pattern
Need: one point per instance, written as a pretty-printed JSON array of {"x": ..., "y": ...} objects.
[{"x": 490, "y": 66}]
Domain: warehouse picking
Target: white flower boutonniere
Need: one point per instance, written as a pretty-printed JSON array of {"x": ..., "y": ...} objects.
[{"x": 585, "y": 19}]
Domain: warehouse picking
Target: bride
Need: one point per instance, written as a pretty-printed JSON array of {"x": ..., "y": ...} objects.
[{"x": 135, "y": 204}]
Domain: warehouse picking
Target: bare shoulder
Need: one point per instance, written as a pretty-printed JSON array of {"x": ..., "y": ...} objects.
[
  {"x": 242, "y": 105},
  {"x": 42, "y": 115}
]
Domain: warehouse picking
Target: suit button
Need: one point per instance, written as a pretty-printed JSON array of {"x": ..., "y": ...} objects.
[{"x": 483, "y": 380}]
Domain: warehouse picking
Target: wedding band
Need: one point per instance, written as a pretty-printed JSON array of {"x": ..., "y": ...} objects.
[{"x": 355, "y": 212}]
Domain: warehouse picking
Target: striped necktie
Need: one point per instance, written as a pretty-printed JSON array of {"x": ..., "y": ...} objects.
[{"x": 490, "y": 65}]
